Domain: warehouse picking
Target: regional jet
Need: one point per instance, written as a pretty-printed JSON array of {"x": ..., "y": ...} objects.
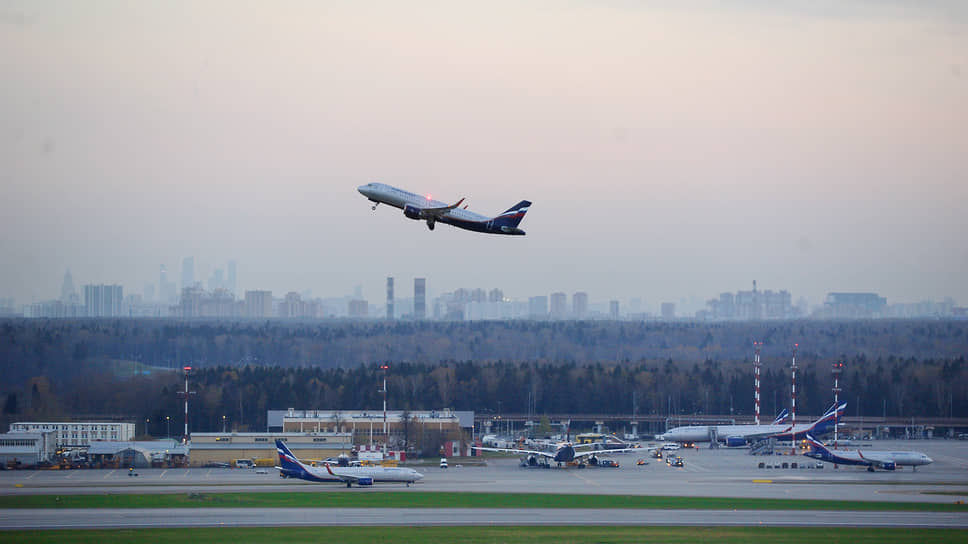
[
  {"x": 741, "y": 435},
  {"x": 886, "y": 460},
  {"x": 424, "y": 209},
  {"x": 291, "y": 467}
]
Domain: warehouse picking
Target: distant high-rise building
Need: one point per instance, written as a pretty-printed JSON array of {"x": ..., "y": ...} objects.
[
  {"x": 496, "y": 295},
  {"x": 613, "y": 309},
  {"x": 230, "y": 282},
  {"x": 68, "y": 294},
  {"x": 217, "y": 281},
  {"x": 579, "y": 305},
  {"x": 559, "y": 305},
  {"x": 538, "y": 307},
  {"x": 854, "y": 305},
  {"x": 420, "y": 298},
  {"x": 149, "y": 293},
  {"x": 668, "y": 310},
  {"x": 358, "y": 308},
  {"x": 258, "y": 303},
  {"x": 188, "y": 272},
  {"x": 103, "y": 300},
  {"x": 390, "y": 298}
]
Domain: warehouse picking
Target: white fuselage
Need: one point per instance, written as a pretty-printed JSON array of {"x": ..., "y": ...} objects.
[
  {"x": 701, "y": 433},
  {"x": 398, "y": 198},
  {"x": 378, "y": 474}
]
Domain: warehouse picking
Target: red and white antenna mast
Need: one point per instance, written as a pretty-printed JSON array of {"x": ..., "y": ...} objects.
[
  {"x": 793, "y": 397},
  {"x": 756, "y": 382},
  {"x": 838, "y": 368},
  {"x": 188, "y": 372}
]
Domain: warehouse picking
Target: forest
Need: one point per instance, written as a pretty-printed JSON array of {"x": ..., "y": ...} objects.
[{"x": 131, "y": 369}]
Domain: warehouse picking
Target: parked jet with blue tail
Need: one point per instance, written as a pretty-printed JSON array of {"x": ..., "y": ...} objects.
[{"x": 885, "y": 460}]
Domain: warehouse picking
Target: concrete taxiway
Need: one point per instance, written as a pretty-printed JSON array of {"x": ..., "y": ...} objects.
[
  {"x": 291, "y": 517},
  {"x": 707, "y": 473}
]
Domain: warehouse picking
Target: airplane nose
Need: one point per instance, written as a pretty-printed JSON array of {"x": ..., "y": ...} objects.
[{"x": 362, "y": 189}]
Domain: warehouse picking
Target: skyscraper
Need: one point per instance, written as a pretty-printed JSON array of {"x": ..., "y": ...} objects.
[
  {"x": 188, "y": 272},
  {"x": 67, "y": 289},
  {"x": 258, "y": 304},
  {"x": 420, "y": 298},
  {"x": 559, "y": 305},
  {"x": 613, "y": 309},
  {"x": 579, "y": 305},
  {"x": 390, "y": 298},
  {"x": 103, "y": 300}
]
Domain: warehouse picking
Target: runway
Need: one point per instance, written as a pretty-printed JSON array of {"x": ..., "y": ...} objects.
[{"x": 295, "y": 517}]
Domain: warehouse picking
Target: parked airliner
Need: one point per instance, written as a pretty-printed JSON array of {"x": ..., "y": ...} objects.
[
  {"x": 562, "y": 452},
  {"x": 424, "y": 209},
  {"x": 886, "y": 460},
  {"x": 291, "y": 467},
  {"x": 739, "y": 435}
]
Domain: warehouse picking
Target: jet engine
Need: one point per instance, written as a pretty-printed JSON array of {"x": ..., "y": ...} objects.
[
  {"x": 889, "y": 466},
  {"x": 412, "y": 212}
]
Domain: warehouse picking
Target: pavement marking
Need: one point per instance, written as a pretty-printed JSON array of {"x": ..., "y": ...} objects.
[
  {"x": 34, "y": 474},
  {"x": 108, "y": 474},
  {"x": 584, "y": 479},
  {"x": 762, "y": 481},
  {"x": 162, "y": 475}
]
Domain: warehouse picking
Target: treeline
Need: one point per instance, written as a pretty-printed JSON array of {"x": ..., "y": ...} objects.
[
  {"x": 891, "y": 386},
  {"x": 63, "y": 347}
]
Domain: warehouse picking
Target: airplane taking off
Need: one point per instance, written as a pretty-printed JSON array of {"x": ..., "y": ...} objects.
[
  {"x": 740, "y": 435},
  {"x": 886, "y": 460},
  {"x": 424, "y": 209},
  {"x": 291, "y": 467}
]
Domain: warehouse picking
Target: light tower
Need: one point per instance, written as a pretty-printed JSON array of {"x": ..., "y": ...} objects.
[
  {"x": 186, "y": 393},
  {"x": 837, "y": 369},
  {"x": 386, "y": 433},
  {"x": 756, "y": 382},
  {"x": 793, "y": 398}
]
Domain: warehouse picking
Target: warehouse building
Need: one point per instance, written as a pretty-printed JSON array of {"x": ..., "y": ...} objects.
[
  {"x": 213, "y": 449},
  {"x": 20, "y": 449}
]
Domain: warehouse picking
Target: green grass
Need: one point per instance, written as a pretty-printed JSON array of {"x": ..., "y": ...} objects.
[
  {"x": 483, "y": 534},
  {"x": 397, "y": 499}
]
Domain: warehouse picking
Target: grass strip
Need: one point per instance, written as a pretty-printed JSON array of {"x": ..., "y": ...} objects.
[
  {"x": 399, "y": 499},
  {"x": 487, "y": 534}
]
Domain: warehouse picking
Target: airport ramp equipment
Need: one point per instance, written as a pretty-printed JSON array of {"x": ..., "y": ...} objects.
[{"x": 763, "y": 447}]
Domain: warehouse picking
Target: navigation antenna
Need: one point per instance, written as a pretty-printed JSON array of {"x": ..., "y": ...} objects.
[
  {"x": 756, "y": 382},
  {"x": 186, "y": 438},
  {"x": 793, "y": 397}
]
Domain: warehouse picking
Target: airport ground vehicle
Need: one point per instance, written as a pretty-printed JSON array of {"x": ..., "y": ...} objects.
[
  {"x": 244, "y": 463},
  {"x": 670, "y": 446},
  {"x": 675, "y": 461},
  {"x": 608, "y": 463},
  {"x": 443, "y": 462}
]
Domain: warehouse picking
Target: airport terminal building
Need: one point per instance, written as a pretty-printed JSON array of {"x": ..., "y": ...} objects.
[{"x": 366, "y": 427}]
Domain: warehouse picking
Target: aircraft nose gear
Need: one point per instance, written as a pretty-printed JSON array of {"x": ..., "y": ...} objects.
[
  {"x": 375, "y": 205},
  {"x": 430, "y": 224}
]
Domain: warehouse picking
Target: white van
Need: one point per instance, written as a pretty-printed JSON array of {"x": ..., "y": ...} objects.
[
  {"x": 670, "y": 446},
  {"x": 244, "y": 463}
]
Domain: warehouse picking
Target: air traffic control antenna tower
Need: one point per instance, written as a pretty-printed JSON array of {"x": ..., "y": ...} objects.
[
  {"x": 186, "y": 438},
  {"x": 838, "y": 368},
  {"x": 756, "y": 383}
]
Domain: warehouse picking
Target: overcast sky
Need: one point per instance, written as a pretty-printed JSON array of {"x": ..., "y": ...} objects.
[{"x": 672, "y": 151}]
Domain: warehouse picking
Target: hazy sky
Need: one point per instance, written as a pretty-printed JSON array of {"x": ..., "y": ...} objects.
[{"x": 672, "y": 150}]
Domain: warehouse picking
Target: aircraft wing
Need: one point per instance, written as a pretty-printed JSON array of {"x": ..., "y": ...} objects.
[
  {"x": 439, "y": 211},
  {"x": 581, "y": 454},
  {"x": 516, "y": 450},
  {"x": 878, "y": 461},
  {"x": 343, "y": 477}
]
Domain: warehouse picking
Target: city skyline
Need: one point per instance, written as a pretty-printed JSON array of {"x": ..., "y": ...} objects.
[{"x": 671, "y": 152}]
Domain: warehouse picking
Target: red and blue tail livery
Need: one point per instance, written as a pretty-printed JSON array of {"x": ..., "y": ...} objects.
[{"x": 421, "y": 208}]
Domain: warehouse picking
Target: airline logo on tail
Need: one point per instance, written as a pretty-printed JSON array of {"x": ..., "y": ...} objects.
[
  {"x": 782, "y": 417},
  {"x": 829, "y": 419}
]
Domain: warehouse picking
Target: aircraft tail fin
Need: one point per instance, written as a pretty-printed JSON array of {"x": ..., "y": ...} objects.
[
  {"x": 288, "y": 461},
  {"x": 513, "y": 216},
  {"x": 782, "y": 417},
  {"x": 817, "y": 447},
  {"x": 829, "y": 420}
]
